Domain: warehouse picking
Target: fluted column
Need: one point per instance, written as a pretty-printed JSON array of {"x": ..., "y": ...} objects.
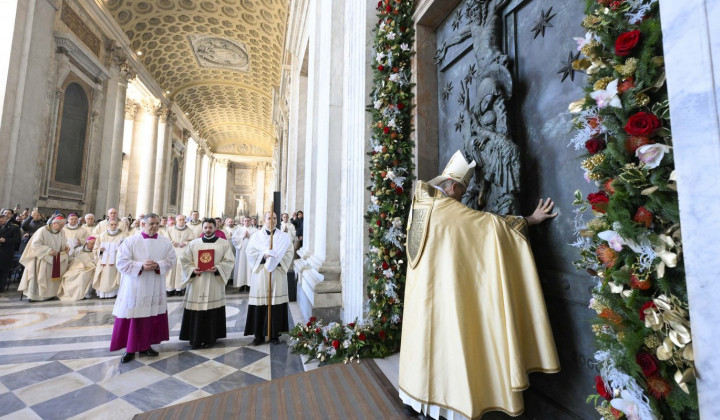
[
  {"x": 125, "y": 74},
  {"x": 198, "y": 175},
  {"x": 220, "y": 185},
  {"x": 162, "y": 161},
  {"x": 188, "y": 184},
  {"x": 130, "y": 111},
  {"x": 146, "y": 151},
  {"x": 260, "y": 205}
]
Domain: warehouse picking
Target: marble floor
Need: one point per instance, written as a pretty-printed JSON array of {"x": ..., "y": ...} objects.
[{"x": 55, "y": 362}]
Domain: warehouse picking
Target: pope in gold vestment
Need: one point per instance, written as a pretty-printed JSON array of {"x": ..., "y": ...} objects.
[{"x": 475, "y": 321}]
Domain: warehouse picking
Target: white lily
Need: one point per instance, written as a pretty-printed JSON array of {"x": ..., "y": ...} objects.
[
  {"x": 614, "y": 240},
  {"x": 652, "y": 154},
  {"x": 608, "y": 96}
]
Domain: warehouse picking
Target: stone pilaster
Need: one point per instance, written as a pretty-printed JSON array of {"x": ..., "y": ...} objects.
[
  {"x": 162, "y": 167},
  {"x": 144, "y": 149},
  {"x": 260, "y": 205}
]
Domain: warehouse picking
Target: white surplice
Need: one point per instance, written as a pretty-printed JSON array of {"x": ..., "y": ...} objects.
[
  {"x": 278, "y": 264},
  {"x": 142, "y": 293},
  {"x": 77, "y": 281},
  {"x": 240, "y": 238},
  {"x": 107, "y": 277},
  {"x": 206, "y": 291},
  {"x": 180, "y": 238}
]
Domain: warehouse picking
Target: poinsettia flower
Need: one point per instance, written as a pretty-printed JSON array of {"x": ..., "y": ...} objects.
[
  {"x": 608, "y": 96},
  {"x": 652, "y": 154},
  {"x": 613, "y": 239}
]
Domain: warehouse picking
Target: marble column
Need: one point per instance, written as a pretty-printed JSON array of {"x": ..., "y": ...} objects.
[
  {"x": 125, "y": 74},
  {"x": 198, "y": 175},
  {"x": 220, "y": 186},
  {"x": 691, "y": 44},
  {"x": 188, "y": 183},
  {"x": 162, "y": 166},
  {"x": 130, "y": 112},
  {"x": 203, "y": 196},
  {"x": 320, "y": 265},
  {"x": 145, "y": 150},
  {"x": 260, "y": 205}
]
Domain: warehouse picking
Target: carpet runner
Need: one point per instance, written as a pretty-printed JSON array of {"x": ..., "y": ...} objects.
[{"x": 342, "y": 391}]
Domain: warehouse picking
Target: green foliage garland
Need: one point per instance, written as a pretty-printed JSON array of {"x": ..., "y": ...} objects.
[
  {"x": 378, "y": 335},
  {"x": 632, "y": 243}
]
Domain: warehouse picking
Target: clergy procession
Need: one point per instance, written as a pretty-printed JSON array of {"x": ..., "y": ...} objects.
[{"x": 142, "y": 262}]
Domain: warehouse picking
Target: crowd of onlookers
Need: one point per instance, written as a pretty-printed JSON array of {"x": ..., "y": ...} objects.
[{"x": 17, "y": 227}]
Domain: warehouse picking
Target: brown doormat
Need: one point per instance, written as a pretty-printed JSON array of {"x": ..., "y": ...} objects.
[{"x": 352, "y": 391}]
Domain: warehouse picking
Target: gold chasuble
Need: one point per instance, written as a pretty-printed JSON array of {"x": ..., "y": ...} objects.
[{"x": 475, "y": 321}]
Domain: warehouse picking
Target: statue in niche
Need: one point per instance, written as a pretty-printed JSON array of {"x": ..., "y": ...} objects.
[
  {"x": 242, "y": 206},
  {"x": 484, "y": 123}
]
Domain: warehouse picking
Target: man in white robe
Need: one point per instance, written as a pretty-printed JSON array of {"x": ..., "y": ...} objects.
[
  {"x": 240, "y": 239},
  {"x": 268, "y": 260},
  {"x": 195, "y": 223},
  {"x": 75, "y": 234},
  {"x": 141, "y": 306},
  {"x": 180, "y": 235},
  {"x": 101, "y": 227},
  {"x": 76, "y": 283},
  {"x": 89, "y": 223},
  {"x": 204, "y": 319},
  {"x": 45, "y": 260},
  {"x": 107, "y": 277},
  {"x": 287, "y": 227}
]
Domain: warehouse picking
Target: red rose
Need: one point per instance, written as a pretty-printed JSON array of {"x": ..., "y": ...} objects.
[
  {"x": 381, "y": 67},
  {"x": 388, "y": 8},
  {"x": 379, "y": 223},
  {"x": 626, "y": 42},
  {"x": 361, "y": 336},
  {"x": 647, "y": 362},
  {"x": 385, "y": 265},
  {"x": 598, "y": 201},
  {"x": 351, "y": 325},
  {"x": 642, "y": 124},
  {"x": 382, "y": 335},
  {"x": 336, "y": 344},
  {"x": 643, "y": 216},
  {"x": 386, "y": 130},
  {"x": 600, "y": 386},
  {"x": 595, "y": 145},
  {"x": 308, "y": 324},
  {"x": 649, "y": 304},
  {"x": 400, "y": 106},
  {"x": 399, "y": 190},
  {"x": 317, "y": 330},
  {"x": 312, "y": 319}
]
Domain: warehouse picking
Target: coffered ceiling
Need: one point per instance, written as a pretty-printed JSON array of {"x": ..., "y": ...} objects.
[{"x": 218, "y": 60}]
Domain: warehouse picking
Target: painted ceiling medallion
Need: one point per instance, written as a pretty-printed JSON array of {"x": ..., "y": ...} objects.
[{"x": 215, "y": 52}]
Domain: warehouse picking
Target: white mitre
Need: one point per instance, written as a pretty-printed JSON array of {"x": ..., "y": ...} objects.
[{"x": 458, "y": 169}]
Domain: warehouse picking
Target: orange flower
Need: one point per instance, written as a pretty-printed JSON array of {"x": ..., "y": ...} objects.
[
  {"x": 658, "y": 387},
  {"x": 634, "y": 142},
  {"x": 607, "y": 186},
  {"x": 606, "y": 255},
  {"x": 611, "y": 316},
  {"x": 643, "y": 216},
  {"x": 627, "y": 84},
  {"x": 636, "y": 283}
]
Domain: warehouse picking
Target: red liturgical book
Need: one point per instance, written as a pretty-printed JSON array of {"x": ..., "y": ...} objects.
[{"x": 206, "y": 259}]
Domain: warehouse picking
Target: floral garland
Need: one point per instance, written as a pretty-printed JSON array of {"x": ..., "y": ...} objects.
[
  {"x": 391, "y": 173},
  {"x": 632, "y": 244}
]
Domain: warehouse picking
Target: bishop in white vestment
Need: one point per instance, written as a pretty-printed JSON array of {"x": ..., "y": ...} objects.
[
  {"x": 74, "y": 233},
  {"x": 241, "y": 238},
  {"x": 107, "y": 277},
  {"x": 265, "y": 260},
  {"x": 76, "y": 283},
  {"x": 45, "y": 260},
  {"x": 180, "y": 235},
  {"x": 204, "y": 319},
  {"x": 141, "y": 306}
]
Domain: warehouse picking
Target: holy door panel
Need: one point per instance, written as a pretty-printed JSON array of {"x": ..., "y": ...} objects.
[{"x": 534, "y": 39}]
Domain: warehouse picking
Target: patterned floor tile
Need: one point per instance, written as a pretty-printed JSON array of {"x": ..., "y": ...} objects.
[
  {"x": 241, "y": 357},
  {"x": 191, "y": 396},
  {"x": 73, "y": 403},
  {"x": 205, "y": 373},
  {"x": 43, "y": 391},
  {"x": 109, "y": 369},
  {"x": 261, "y": 368},
  {"x": 159, "y": 394},
  {"x": 24, "y": 414},
  {"x": 133, "y": 380},
  {"x": 236, "y": 380},
  {"x": 79, "y": 364},
  {"x": 115, "y": 409},
  {"x": 34, "y": 375},
  {"x": 18, "y": 367},
  {"x": 178, "y": 363},
  {"x": 9, "y": 403}
]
